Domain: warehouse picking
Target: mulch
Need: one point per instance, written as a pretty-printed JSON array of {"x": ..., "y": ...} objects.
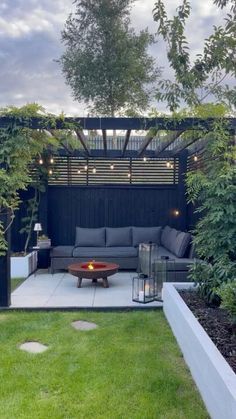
[{"x": 216, "y": 323}]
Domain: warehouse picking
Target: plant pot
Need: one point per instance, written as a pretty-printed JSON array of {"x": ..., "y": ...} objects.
[
  {"x": 213, "y": 376},
  {"x": 44, "y": 243},
  {"x": 23, "y": 266}
]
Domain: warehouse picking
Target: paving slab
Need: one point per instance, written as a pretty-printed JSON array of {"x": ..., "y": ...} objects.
[
  {"x": 83, "y": 325},
  {"x": 59, "y": 290},
  {"x": 33, "y": 347}
]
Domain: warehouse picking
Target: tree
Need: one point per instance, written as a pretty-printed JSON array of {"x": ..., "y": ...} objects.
[
  {"x": 105, "y": 63},
  {"x": 196, "y": 79}
]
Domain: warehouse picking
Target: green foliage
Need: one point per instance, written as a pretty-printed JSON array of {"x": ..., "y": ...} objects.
[
  {"x": 198, "y": 78},
  {"x": 227, "y": 293},
  {"x": 19, "y": 147},
  {"x": 105, "y": 63},
  {"x": 213, "y": 188},
  {"x": 207, "y": 281}
]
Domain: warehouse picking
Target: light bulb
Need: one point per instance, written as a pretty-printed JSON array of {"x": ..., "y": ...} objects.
[
  {"x": 86, "y": 167},
  {"x": 51, "y": 160},
  {"x": 40, "y": 161},
  {"x": 195, "y": 158},
  {"x": 112, "y": 166},
  {"x": 168, "y": 164},
  {"x": 50, "y": 171},
  {"x": 145, "y": 159},
  {"x": 129, "y": 175},
  {"x": 79, "y": 172},
  {"x": 176, "y": 212},
  {"x": 171, "y": 166},
  {"x": 94, "y": 170}
]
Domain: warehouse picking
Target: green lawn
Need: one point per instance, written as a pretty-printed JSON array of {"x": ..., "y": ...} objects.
[
  {"x": 16, "y": 282},
  {"x": 129, "y": 367}
]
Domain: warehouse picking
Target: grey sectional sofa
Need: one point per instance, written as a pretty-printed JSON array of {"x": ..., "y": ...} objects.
[{"x": 121, "y": 245}]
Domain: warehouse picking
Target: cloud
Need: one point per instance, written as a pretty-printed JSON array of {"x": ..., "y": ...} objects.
[{"x": 30, "y": 33}]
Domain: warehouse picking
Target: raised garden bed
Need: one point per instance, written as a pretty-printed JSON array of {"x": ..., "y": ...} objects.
[{"x": 214, "y": 377}]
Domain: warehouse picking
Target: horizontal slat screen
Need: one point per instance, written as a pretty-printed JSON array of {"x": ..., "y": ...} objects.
[{"x": 77, "y": 171}]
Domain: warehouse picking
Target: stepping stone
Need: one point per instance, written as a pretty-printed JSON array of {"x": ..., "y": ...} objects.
[
  {"x": 82, "y": 325},
  {"x": 33, "y": 347}
]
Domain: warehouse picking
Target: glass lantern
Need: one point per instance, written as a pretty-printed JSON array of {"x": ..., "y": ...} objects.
[
  {"x": 143, "y": 289},
  {"x": 163, "y": 271}
]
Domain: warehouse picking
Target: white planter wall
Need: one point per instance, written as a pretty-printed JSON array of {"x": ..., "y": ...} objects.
[
  {"x": 214, "y": 378},
  {"x": 23, "y": 266}
]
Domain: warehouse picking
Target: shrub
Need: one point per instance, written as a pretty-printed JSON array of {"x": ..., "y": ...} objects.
[{"x": 227, "y": 293}]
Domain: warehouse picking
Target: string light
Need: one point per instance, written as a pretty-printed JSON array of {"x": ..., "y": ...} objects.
[
  {"x": 50, "y": 171},
  {"x": 78, "y": 171},
  {"x": 86, "y": 167},
  {"x": 145, "y": 159},
  {"x": 94, "y": 170},
  {"x": 176, "y": 213},
  {"x": 195, "y": 158},
  {"x": 112, "y": 166},
  {"x": 171, "y": 166},
  {"x": 129, "y": 175},
  {"x": 168, "y": 164},
  {"x": 40, "y": 161},
  {"x": 52, "y": 160}
]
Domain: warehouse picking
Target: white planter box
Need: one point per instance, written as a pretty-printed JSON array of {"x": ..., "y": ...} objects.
[
  {"x": 214, "y": 377},
  {"x": 23, "y": 266}
]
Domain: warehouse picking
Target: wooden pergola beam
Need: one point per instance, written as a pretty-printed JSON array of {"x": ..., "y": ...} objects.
[
  {"x": 104, "y": 137},
  {"x": 162, "y": 123},
  {"x": 126, "y": 142},
  {"x": 149, "y": 137},
  {"x": 167, "y": 141},
  {"x": 184, "y": 143},
  {"x": 83, "y": 141}
]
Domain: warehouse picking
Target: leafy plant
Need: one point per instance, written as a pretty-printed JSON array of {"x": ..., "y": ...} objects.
[
  {"x": 196, "y": 79},
  {"x": 227, "y": 293},
  {"x": 213, "y": 188},
  {"x": 19, "y": 147}
]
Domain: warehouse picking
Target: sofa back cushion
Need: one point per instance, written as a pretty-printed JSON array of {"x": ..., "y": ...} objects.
[
  {"x": 91, "y": 237},
  {"x": 120, "y": 236},
  {"x": 175, "y": 241},
  {"x": 165, "y": 237},
  {"x": 146, "y": 235},
  {"x": 181, "y": 244}
]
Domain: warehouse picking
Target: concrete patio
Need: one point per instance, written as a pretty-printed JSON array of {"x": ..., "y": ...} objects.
[{"x": 59, "y": 290}]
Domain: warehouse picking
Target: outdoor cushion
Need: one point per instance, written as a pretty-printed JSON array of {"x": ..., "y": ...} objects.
[
  {"x": 146, "y": 235},
  {"x": 62, "y": 251},
  {"x": 118, "y": 236},
  {"x": 91, "y": 237},
  {"x": 104, "y": 252},
  {"x": 180, "y": 244},
  {"x": 165, "y": 237},
  {"x": 172, "y": 240}
]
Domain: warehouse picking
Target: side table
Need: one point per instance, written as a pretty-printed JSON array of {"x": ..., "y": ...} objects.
[{"x": 43, "y": 257}]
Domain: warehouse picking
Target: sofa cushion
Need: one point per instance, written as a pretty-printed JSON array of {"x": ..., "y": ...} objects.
[
  {"x": 91, "y": 253},
  {"x": 172, "y": 240},
  {"x": 91, "y": 237},
  {"x": 181, "y": 243},
  {"x": 62, "y": 251},
  {"x": 146, "y": 235},
  {"x": 165, "y": 237},
  {"x": 118, "y": 236}
]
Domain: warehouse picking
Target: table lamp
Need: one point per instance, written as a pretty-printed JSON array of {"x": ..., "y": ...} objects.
[{"x": 37, "y": 228}]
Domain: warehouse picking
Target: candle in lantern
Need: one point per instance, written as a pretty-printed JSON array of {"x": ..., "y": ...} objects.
[{"x": 141, "y": 295}]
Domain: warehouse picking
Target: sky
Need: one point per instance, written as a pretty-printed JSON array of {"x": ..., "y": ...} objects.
[{"x": 30, "y": 44}]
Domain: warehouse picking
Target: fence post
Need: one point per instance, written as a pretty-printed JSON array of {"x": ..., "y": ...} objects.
[{"x": 5, "y": 282}]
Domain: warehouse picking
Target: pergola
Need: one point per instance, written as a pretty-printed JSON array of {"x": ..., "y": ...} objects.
[{"x": 170, "y": 145}]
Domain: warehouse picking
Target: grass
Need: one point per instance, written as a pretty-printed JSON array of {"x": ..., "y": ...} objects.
[
  {"x": 16, "y": 282},
  {"x": 129, "y": 367}
]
